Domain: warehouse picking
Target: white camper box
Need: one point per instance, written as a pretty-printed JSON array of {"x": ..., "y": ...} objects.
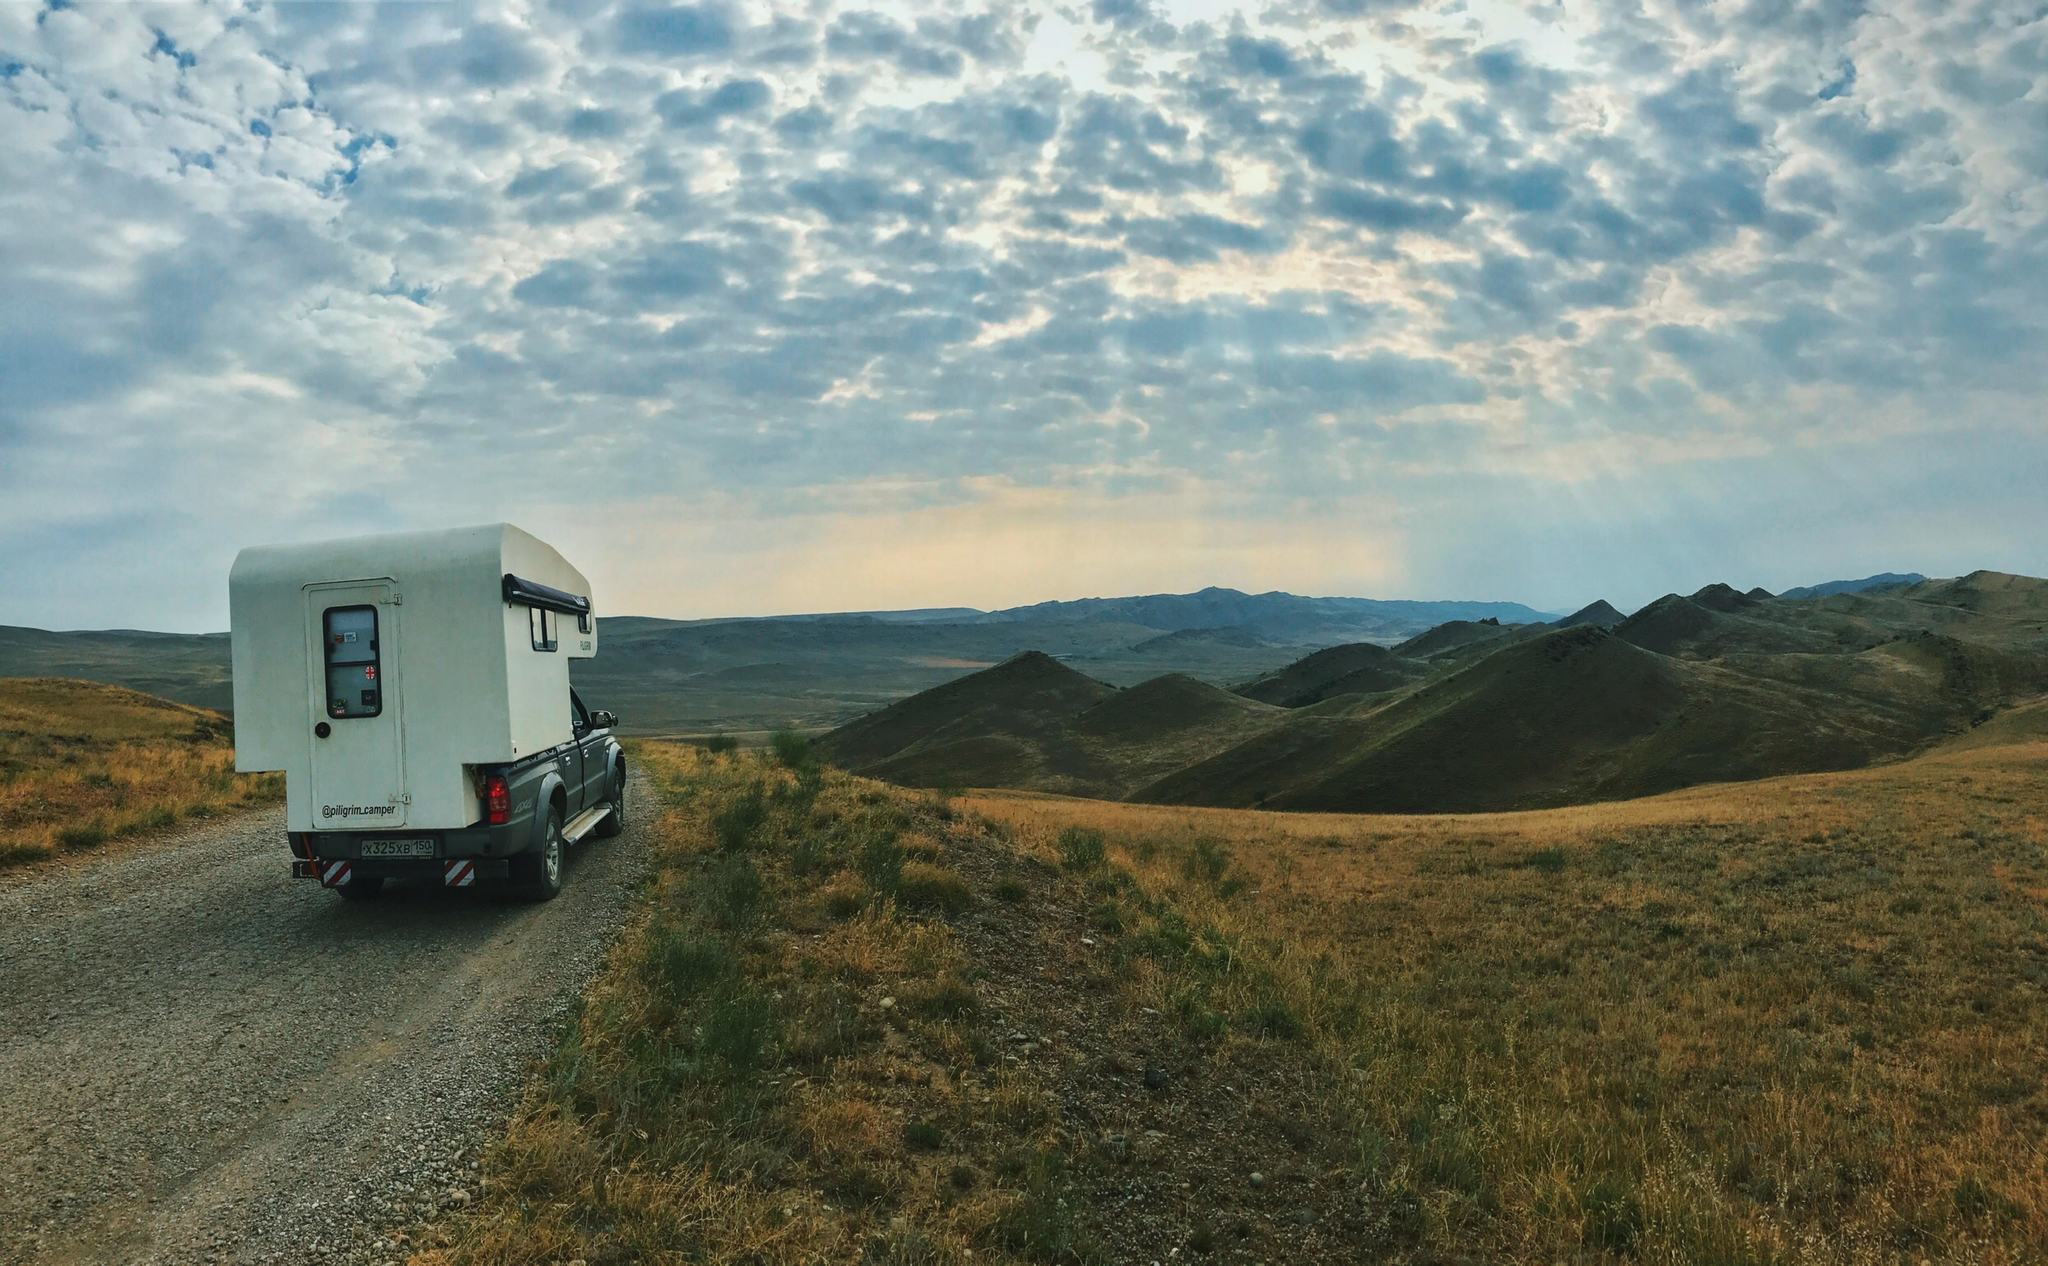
[{"x": 379, "y": 672}]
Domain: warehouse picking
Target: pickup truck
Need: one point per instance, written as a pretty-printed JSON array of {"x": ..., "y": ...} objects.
[
  {"x": 531, "y": 811},
  {"x": 414, "y": 689}
]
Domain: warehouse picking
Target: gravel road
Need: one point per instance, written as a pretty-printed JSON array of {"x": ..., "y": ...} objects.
[{"x": 203, "y": 1059}]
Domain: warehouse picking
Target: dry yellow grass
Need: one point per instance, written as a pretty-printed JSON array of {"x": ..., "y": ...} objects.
[
  {"x": 759, "y": 1076},
  {"x": 82, "y": 763},
  {"x": 1799, "y": 1020}
]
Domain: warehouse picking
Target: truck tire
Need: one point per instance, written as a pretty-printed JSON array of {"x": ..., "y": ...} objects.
[
  {"x": 361, "y": 888},
  {"x": 615, "y": 821},
  {"x": 537, "y": 876}
]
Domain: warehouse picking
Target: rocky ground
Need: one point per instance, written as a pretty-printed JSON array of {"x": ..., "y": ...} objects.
[{"x": 204, "y": 1060}]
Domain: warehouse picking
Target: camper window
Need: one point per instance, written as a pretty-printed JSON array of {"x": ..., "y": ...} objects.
[
  {"x": 354, "y": 684},
  {"x": 541, "y": 623}
]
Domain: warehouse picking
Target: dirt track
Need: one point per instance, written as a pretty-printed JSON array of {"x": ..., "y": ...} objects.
[{"x": 202, "y": 1059}]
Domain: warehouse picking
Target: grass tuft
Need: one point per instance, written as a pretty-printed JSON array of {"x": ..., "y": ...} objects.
[
  {"x": 1081, "y": 849},
  {"x": 922, "y": 886}
]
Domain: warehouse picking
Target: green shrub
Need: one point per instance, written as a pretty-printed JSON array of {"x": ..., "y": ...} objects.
[
  {"x": 721, "y": 745},
  {"x": 881, "y": 859},
  {"x": 793, "y": 750},
  {"x": 84, "y": 835},
  {"x": 736, "y": 824},
  {"x": 739, "y": 1029},
  {"x": 687, "y": 964},
  {"x": 1614, "y": 1218},
  {"x": 1271, "y": 1017},
  {"x": 1081, "y": 848},
  {"x": 729, "y": 894},
  {"x": 810, "y": 853}
]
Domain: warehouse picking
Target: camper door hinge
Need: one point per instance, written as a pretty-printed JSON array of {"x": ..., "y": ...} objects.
[{"x": 396, "y": 600}]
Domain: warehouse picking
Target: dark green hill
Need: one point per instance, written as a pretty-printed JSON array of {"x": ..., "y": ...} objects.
[
  {"x": 1718, "y": 620},
  {"x": 190, "y": 668},
  {"x": 1033, "y": 722},
  {"x": 1181, "y": 641},
  {"x": 2022, "y": 599},
  {"x": 1720, "y": 597},
  {"x": 1718, "y": 685},
  {"x": 1173, "y": 704},
  {"x": 1357, "y": 668},
  {"x": 1452, "y": 635},
  {"x": 1578, "y": 714},
  {"x": 1026, "y": 695},
  {"x": 1827, "y": 589},
  {"x": 1599, "y": 613}
]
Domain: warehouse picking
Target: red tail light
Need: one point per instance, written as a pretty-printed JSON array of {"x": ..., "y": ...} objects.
[{"x": 497, "y": 800}]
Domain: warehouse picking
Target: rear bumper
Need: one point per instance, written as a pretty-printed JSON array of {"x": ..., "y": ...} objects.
[
  {"x": 481, "y": 842},
  {"x": 330, "y": 874}
]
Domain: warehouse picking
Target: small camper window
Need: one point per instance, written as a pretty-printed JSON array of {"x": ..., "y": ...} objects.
[
  {"x": 354, "y": 685},
  {"x": 541, "y": 622}
]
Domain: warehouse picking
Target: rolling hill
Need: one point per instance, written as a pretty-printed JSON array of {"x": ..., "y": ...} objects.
[
  {"x": 1882, "y": 580},
  {"x": 1722, "y": 684},
  {"x": 1599, "y": 612},
  {"x": 1031, "y": 721},
  {"x": 1356, "y": 668},
  {"x": 186, "y": 667}
]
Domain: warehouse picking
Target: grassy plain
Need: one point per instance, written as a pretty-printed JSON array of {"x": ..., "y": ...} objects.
[
  {"x": 855, "y": 1025},
  {"x": 735, "y": 1089},
  {"x": 1796, "y": 1020},
  {"x": 82, "y": 763}
]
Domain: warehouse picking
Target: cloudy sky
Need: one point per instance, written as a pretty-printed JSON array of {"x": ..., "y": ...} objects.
[{"x": 809, "y": 306}]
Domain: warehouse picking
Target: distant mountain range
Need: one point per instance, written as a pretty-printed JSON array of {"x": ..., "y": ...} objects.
[
  {"x": 1273, "y": 614},
  {"x": 818, "y": 671},
  {"x": 1720, "y": 684},
  {"x": 814, "y": 671}
]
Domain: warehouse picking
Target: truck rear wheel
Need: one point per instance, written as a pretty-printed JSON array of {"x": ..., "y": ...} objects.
[
  {"x": 615, "y": 821},
  {"x": 361, "y": 887},
  {"x": 537, "y": 876}
]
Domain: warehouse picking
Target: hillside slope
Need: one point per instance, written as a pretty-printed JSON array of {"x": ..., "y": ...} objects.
[
  {"x": 189, "y": 668},
  {"x": 1034, "y": 722},
  {"x": 1598, "y": 612},
  {"x": 1542, "y": 1015},
  {"x": 1356, "y": 668},
  {"x": 1579, "y": 714},
  {"x": 1718, "y": 685},
  {"x": 83, "y": 762}
]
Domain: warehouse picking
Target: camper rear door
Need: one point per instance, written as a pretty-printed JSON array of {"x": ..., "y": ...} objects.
[{"x": 359, "y": 765}]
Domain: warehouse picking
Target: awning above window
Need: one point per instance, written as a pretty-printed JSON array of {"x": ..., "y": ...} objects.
[{"x": 531, "y": 593}]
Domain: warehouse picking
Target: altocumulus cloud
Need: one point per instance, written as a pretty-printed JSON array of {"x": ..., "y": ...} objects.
[{"x": 1447, "y": 279}]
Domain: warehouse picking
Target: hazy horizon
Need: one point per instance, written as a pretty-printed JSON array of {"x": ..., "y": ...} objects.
[{"x": 1558, "y": 610}]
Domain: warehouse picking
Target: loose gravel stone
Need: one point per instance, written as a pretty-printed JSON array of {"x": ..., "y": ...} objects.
[{"x": 203, "y": 1059}]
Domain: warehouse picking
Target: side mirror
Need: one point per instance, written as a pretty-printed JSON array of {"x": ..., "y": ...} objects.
[{"x": 603, "y": 720}]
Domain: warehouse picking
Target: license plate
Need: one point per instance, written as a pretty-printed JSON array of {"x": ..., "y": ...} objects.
[{"x": 398, "y": 848}]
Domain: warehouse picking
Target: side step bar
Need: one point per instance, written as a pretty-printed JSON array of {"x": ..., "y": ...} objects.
[{"x": 585, "y": 822}]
